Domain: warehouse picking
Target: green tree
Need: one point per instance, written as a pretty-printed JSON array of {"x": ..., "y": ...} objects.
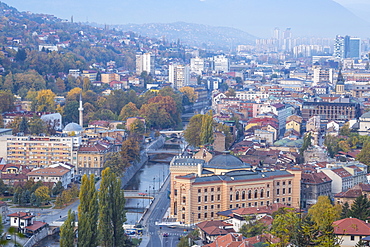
[
  {"x": 306, "y": 142},
  {"x": 115, "y": 162},
  {"x": 345, "y": 211},
  {"x": 37, "y": 126},
  {"x": 253, "y": 227},
  {"x": 6, "y": 101},
  {"x": 88, "y": 213},
  {"x": 192, "y": 131},
  {"x": 57, "y": 189},
  {"x": 364, "y": 155},
  {"x": 67, "y": 231},
  {"x": 360, "y": 208},
  {"x": 112, "y": 213},
  {"x": 206, "y": 133},
  {"x": 284, "y": 225},
  {"x": 137, "y": 127}
]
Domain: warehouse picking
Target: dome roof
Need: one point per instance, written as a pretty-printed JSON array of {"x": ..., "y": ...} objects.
[
  {"x": 73, "y": 127},
  {"x": 226, "y": 161}
]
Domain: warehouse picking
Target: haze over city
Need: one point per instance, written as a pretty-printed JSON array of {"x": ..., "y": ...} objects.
[{"x": 259, "y": 18}]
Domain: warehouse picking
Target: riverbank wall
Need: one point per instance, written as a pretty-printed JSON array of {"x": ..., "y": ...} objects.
[{"x": 135, "y": 167}]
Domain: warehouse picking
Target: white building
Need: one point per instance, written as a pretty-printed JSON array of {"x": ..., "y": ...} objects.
[
  {"x": 179, "y": 75},
  {"x": 251, "y": 95},
  {"x": 221, "y": 63},
  {"x": 145, "y": 62},
  {"x": 197, "y": 65},
  {"x": 280, "y": 110},
  {"x": 51, "y": 174}
]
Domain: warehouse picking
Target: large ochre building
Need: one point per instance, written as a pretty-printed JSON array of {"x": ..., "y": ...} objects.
[{"x": 200, "y": 189}]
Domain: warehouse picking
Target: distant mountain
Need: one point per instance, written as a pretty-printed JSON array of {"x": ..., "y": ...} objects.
[
  {"x": 360, "y": 9},
  {"x": 324, "y": 18},
  {"x": 192, "y": 34}
]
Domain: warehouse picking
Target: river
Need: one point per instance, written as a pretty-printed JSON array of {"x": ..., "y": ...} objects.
[{"x": 147, "y": 180}]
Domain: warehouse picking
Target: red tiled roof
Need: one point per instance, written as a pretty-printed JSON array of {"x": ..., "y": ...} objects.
[
  {"x": 341, "y": 172},
  {"x": 214, "y": 228},
  {"x": 351, "y": 226},
  {"x": 49, "y": 172},
  {"x": 315, "y": 178},
  {"x": 36, "y": 225},
  {"x": 22, "y": 215}
]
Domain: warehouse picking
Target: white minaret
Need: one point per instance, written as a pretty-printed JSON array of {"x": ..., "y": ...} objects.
[{"x": 81, "y": 114}]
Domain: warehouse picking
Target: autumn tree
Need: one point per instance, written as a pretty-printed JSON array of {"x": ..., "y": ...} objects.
[
  {"x": 137, "y": 127},
  {"x": 44, "y": 101},
  {"x": 206, "y": 133},
  {"x": 284, "y": 225},
  {"x": 67, "y": 231},
  {"x": 129, "y": 110},
  {"x": 192, "y": 131},
  {"x": 130, "y": 150},
  {"x": 88, "y": 213},
  {"x": 43, "y": 193},
  {"x": 112, "y": 213},
  {"x": 190, "y": 93},
  {"x": 6, "y": 101},
  {"x": 323, "y": 214},
  {"x": 37, "y": 126},
  {"x": 115, "y": 162}
]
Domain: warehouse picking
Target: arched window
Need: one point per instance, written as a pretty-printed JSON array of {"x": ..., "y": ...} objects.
[
  {"x": 243, "y": 195},
  {"x": 237, "y": 195},
  {"x": 262, "y": 193},
  {"x": 249, "y": 194},
  {"x": 255, "y": 193}
]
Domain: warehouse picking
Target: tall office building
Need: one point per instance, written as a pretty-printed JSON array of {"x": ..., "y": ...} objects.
[
  {"x": 145, "y": 62},
  {"x": 347, "y": 47},
  {"x": 179, "y": 75}
]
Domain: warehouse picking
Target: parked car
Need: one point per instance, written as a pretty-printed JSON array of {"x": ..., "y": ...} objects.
[
  {"x": 8, "y": 237},
  {"x": 165, "y": 234}
]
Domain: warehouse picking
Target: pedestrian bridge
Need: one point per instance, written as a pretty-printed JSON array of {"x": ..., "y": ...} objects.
[
  {"x": 178, "y": 133},
  {"x": 139, "y": 194}
]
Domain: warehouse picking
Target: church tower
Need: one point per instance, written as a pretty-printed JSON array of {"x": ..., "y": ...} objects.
[
  {"x": 339, "y": 86},
  {"x": 81, "y": 114}
]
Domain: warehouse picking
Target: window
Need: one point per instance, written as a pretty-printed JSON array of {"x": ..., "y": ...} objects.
[
  {"x": 199, "y": 190},
  {"x": 205, "y": 198},
  {"x": 205, "y": 207},
  {"x": 255, "y": 204},
  {"x": 231, "y": 206},
  {"x": 199, "y": 199},
  {"x": 199, "y": 208},
  {"x": 231, "y": 189},
  {"x": 175, "y": 192},
  {"x": 283, "y": 191},
  {"x": 183, "y": 199},
  {"x": 262, "y": 193},
  {"x": 218, "y": 189},
  {"x": 249, "y": 194},
  {"x": 231, "y": 197},
  {"x": 205, "y": 190},
  {"x": 211, "y": 214},
  {"x": 268, "y": 193},
  {"x": 284, "y": 183},
  {"x": 289, "y": 182},
  {"x": 237, "y": 205},
  {"x": 352, "y": 238},
  {"x": 205, "y": 215},
  {"x": 237, "y": 195},
  {"x": 199, "y": 216},
  {"x": 289, "y": 190},
  {"x": 277, "y": 200},
  {"x": 243, "y": 195},
  {"x": 218, "y": 197},
  {"x": 255, "y": 194},
  {"x": 249, "y": 204},
  {"x": 212, "y": 206},
  {"x": 218, "y": 206},
  {"x": 277, "y": 183},
  {"x": 212, "y": 198},
  {"x": 183, "y": 216},
  {"x": 277, "y": 191},
  {"x": 212, "y": 189},
  {"x": 261, "y": 203}
]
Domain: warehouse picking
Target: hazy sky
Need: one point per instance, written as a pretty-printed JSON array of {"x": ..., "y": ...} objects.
[{"x": 205, "y": 12}]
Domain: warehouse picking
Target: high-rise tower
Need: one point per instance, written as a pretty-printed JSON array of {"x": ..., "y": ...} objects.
[{"x": 81, "y": 114}]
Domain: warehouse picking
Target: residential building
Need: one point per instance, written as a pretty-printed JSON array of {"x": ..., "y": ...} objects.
[
  {"x": 145, "y": 62},
  {"x": 52, "y": 174},
  {"x": 179, "y": 75},
  {"x": 282, "y": 111},
  {"x": 210, "y": 230},
  {"x": 350, "y": 195},
  {"x": 24, "y": 222},
  {"x": 91, "y": 74},
  {"x": 108, "y": 77},
  {"x": 92, "y": 156},
  {"x": 200, "y": 189},
  {"x": 197, "y": 65},
  {"x": 351, "y": 231},
  {"x": 39, "y": 150},
  {"x": 313, "y": 185},
  {"x": 221, "y": 63}
]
